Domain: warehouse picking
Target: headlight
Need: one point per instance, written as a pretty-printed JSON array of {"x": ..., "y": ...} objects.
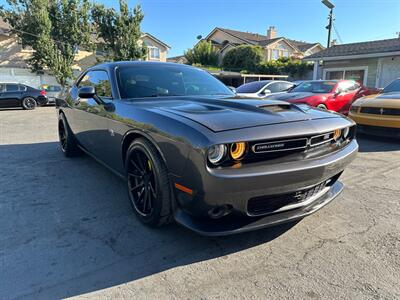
[
  {"x": 216, "y": 153},
  {"x": 346, "y": 132},
  {"x": 237, "y": 150}
]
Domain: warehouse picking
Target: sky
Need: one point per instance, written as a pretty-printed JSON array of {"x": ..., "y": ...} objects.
[{"x": 179, "y": 22}]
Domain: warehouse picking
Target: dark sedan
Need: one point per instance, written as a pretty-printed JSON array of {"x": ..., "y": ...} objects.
[
  {"x": 190, "y": 151},
  {"x": 21, "y": 95}
]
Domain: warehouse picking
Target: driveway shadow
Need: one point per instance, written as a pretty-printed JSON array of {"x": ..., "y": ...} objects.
[
  {"x": 370, "y": 143},
  {"x": 68, "y": 229}
]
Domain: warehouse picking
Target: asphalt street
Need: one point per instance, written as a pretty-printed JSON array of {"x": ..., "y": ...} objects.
[{"x": 67, "y": 230}]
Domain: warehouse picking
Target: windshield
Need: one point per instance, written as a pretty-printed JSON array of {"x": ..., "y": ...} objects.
[
  {"x": 392, "y": 87},
  {"x": 142, "y": 81},
  {"x": 315, "y": 87},
  {"x": 251, "y": 87}
]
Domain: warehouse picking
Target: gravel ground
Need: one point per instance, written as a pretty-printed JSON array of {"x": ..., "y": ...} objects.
[{"x": 67, "y": 230}]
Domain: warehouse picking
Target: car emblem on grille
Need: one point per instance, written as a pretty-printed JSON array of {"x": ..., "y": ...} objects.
[
  {"x": 299, "y": 195},
  {"x": 381, "y": 110}
]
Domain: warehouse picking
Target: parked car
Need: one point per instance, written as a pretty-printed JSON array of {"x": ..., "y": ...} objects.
[
  {"x": 334, "y": 95},
  {"x": 260, "y": 89},
  {"x": 379, "y": 114},
  {"x": 189, "y": 151},
  {"x": 21, "y": 95},
  {"x": 52, "y": 92}
]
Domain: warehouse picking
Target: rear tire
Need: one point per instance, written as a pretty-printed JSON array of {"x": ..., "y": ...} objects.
[
  {"x": 148, "y": 184},
  {"x": 68, "y": 143},
  {"x": 29, "y": 103}
]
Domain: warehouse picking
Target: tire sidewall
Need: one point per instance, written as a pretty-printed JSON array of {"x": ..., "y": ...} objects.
[
  {"x": 162, "y": 203},
  {"x": 26, "y": 107}
]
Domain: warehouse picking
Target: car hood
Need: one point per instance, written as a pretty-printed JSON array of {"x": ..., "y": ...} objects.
[
  {"x": 233, "y": 113},
  {"x": 380, "y": 100}
]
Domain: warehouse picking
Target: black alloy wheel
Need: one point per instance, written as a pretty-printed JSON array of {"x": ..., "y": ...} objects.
[
  {"x": 148, "y": 183},
  {"x": 68, "y": 143},
  {"x": 142, "y": 183},
  {"x": 29, "y": 103}
]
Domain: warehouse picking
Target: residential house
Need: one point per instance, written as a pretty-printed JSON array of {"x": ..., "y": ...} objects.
[
  {"x": 373, "y": 63},
  {"x": 13, "y": 58},
  {"x": 273, "y": 46}
]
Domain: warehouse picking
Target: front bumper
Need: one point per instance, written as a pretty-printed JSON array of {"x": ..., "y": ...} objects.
[
  {"x": 232, "y": 224},
  {"x": 375, "y": 120},
  {"x": 235, "y": 187}
]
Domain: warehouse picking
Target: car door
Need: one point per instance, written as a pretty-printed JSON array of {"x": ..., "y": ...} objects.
[
  {"x": 345, "y": 93},
  {"x": 90, "y": 118},
  {"x": 11, "y": 95}
]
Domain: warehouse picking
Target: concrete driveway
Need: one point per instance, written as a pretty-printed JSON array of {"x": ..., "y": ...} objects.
[{"x": 67, "y": 229}]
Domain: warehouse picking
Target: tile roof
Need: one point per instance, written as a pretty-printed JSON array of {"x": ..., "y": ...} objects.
[
  {"x": 262, "y": 40},
  {"x": 371, "y": 47}
]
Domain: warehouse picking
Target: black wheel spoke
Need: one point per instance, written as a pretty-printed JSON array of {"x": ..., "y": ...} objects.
[{"x": 142, "y": 182}]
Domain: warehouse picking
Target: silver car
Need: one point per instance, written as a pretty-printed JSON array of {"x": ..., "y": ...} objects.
[
  {"x": 52, "y": 92},
  {"x": 263, "y": 88}
]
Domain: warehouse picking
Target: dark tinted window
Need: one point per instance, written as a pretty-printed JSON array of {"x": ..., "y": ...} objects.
[
  {"x": 167, "y": 80},
  {"x": 251, "y": 87},
  {"x": 315, "y": 87},
  {"x": 11, "y": 87},
  {"x": 274, "y": 87},
  {"x": 392, "y": 87},
  {"x": 98, "y": 79},
  {"x": 22, "y": 87}
]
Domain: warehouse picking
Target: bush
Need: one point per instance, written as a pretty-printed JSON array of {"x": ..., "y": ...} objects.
[
  {"x": 204, "y": 53},
  {"x": 285, "y": 66},
  {"x": 243, "y": 57}
]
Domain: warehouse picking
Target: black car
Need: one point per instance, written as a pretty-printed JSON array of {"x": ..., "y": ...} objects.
[
  {"x": 21, "y": 95},
  {"x": 192, "y": 152}
]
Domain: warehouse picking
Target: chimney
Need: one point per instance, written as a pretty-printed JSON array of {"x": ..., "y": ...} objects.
[{"x": 271, "y": 32}]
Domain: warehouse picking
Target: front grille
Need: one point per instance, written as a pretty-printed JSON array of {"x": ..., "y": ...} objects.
[
  {"x": 380, "y": 111},
  {"x": 269, "y": 204}
]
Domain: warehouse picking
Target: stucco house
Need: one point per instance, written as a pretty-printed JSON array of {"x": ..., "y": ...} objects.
[
  {"x": 13, "y": 57},
  {"x": 274, "y": 46},
  {"x": 373, "y": 63}
]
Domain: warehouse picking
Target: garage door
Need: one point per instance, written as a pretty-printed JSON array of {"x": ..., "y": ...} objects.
[{"x": 390, "y": 70}]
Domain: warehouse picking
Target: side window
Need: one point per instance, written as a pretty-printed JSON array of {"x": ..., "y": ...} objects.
[
  {"x": 100, "y": 81},
  {"x": 11, "y": 87},
  {"x": 285, "y": 86},
  {"x": 22, "y": 88},
  {"x": 1, "y": 87},
  {"x": 274, "y": 87}
]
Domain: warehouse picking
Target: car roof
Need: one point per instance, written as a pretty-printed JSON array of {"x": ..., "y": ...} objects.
[{"x": 137, "y": 63}]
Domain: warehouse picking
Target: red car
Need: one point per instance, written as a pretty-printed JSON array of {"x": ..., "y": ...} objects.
[{"x": 335, "y": 95}]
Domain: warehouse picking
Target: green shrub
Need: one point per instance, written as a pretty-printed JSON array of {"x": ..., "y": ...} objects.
[
  {"x": 243, "y": 57},
  {"x": 204, "y": 54}
]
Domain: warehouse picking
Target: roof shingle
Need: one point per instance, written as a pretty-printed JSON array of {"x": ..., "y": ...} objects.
[{"x": 371, "y": 47}]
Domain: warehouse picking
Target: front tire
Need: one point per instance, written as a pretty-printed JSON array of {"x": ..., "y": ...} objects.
[
  {"x": 322, "y": 106},
  {"x": 29, "y": 103},
  {"x": 68, "y": 143},
  {"x": 148, "y": 183}
]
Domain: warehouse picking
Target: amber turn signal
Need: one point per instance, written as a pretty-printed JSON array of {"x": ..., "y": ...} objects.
[{"x": 238, "y": 150}]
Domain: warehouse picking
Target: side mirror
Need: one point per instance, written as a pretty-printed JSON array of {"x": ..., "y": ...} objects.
[
  {"x": 86, "y": 92},
  {"x": 266, "y": 92}
]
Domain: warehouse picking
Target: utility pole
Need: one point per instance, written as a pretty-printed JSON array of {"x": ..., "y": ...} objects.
[{"x": 329, "y": 5}]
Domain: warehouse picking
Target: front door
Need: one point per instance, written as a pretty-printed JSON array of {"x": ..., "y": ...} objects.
[
  {"x": 10, "y": 95},
  {"x": 346, "y": 93},
  {"x": 90, "y": 118}
]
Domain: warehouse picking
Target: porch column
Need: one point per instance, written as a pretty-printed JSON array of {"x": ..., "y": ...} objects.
[{"x": 315, "y": 71}]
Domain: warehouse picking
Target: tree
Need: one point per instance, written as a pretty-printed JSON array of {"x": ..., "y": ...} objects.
[
  {"x": 54, "y": 29},
  {"x": 204, "y": 53},
  {"x": 120, "y": 31},
  {"x": 243, "y": 58}
]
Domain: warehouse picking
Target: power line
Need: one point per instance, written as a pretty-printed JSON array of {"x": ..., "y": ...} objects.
[{"x": 337, "y": 33}]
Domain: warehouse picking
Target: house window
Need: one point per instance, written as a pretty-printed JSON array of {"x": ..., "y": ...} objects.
[
  {"x": 285, "y": 53},
  {"x": 357, "y": 74},
  {"x": 154, "y": 53},
  {"x": 275, "y": 54}
]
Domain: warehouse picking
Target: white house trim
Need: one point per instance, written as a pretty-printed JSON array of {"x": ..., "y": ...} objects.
[
  {"x": 344, "y": 69},
  {"x": 369, "y": 55},
  {"x": 378, "y": 72}
]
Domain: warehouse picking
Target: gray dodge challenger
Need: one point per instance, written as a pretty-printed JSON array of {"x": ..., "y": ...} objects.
[{"x": 190, "y": 151}]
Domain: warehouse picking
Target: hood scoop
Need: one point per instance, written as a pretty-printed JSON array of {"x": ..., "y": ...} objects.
[{"x": 276, "y": 108}]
